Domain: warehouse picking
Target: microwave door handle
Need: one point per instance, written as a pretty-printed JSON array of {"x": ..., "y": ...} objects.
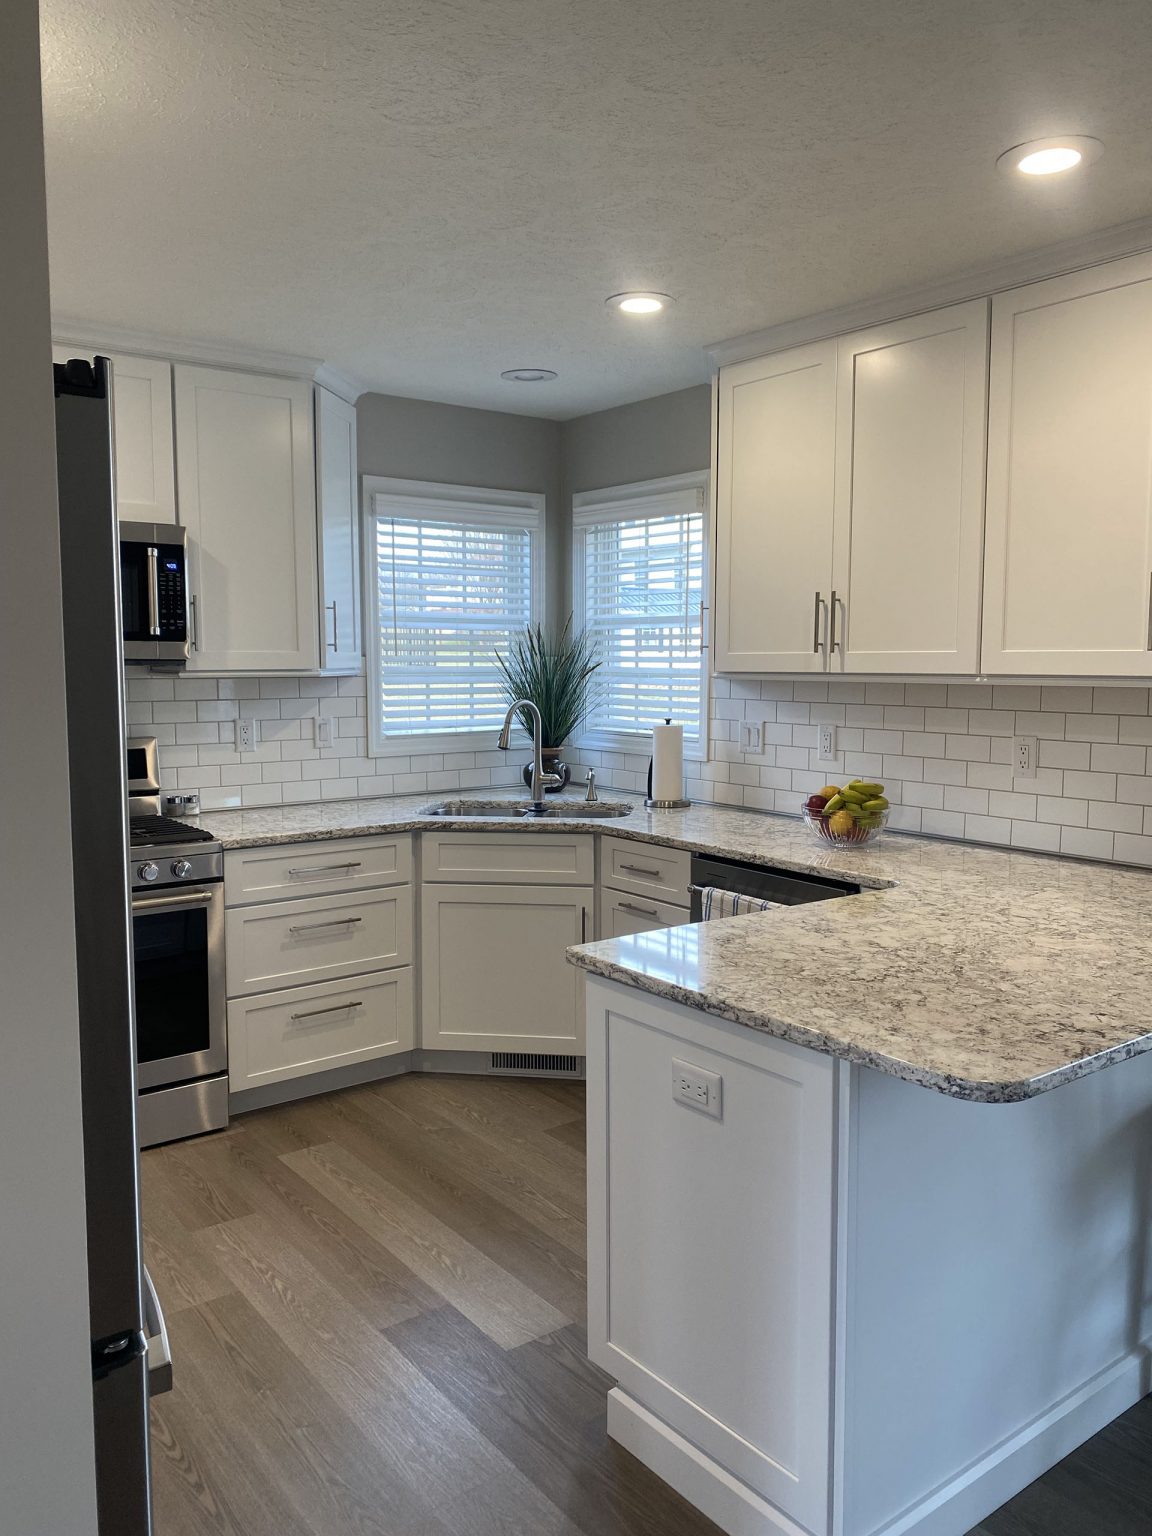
[{"x": 153, "y": 590}]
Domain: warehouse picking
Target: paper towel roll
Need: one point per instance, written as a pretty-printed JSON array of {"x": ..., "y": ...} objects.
[{"x": 668, "y": 762}]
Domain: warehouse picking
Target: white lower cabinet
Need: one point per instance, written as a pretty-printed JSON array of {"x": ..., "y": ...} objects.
[
  {"x": 710, "y": 1241},
  {"x": 622, "y": 913},
  {"x": 493, "y": 972},
  {"x": 280, "y": 1035},
  {"x": 284, "y": 944}
]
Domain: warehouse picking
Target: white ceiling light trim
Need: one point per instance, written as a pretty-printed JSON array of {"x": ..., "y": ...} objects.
[
  {"x": 640, "y": 302},
  {"x": 528, "y": 375},
  {"x": 1049, "y": 157}
]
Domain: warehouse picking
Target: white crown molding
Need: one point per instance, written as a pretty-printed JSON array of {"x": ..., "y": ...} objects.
[
  {"x": 1030, "y": 267},
  {"x": 346, "y": 385},
  {"x": 222, "y": 354}
]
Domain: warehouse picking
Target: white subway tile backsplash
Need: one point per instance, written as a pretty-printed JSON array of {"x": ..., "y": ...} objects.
[
  {"x": 987, "y": 829},
  {"x": 1136, "y": 728},
  {"x": 1110, "y": 816},
  {"x": 1064, "y": 754},
  {"x": 1091, "y": 727},
  {"x": 1070, "y": 813},
  {"x": 1061, "y": 698},
  {"x": 1041, "y": 837},
  {"x": 1084, "y": 843},
  {"x": 957, "y": 798}
]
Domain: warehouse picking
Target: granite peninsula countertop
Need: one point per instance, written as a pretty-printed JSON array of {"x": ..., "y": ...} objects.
[{"x": 978, "y": 972}]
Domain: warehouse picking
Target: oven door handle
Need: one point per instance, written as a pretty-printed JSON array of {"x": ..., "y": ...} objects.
[{"x": 174, "y": 902}]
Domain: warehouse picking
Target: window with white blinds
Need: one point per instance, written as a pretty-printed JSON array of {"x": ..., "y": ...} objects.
[
  {"x": 451, "y": 579},
  {"x": 639, "y": 568}
]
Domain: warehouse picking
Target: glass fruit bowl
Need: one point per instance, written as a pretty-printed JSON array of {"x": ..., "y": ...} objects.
[{"x": 853, "y": 832}]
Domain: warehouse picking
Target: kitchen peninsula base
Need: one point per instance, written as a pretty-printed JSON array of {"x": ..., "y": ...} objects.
[{"x": 850, "y": 1305}]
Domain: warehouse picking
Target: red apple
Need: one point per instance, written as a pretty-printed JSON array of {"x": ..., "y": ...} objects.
[{"x": 816, "y": 803}]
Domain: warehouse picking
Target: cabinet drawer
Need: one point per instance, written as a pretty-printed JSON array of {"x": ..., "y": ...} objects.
[
  {"x": 301, "y": 869},
  {"x": 287, "y": 943},
  {"x": 629, "y": 866},
  {"x": 281, "y": 1035},
  {"x": 622, "y": 913},
  {"x": 512, "y": 858}
]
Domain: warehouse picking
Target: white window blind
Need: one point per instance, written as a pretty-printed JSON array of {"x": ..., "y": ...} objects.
[
  {"x": 450, "y": 584},
  {"x": 640, "y": 585}
]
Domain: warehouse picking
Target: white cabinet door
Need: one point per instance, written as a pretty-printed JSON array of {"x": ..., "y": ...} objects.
[
  {"x": 774, "y": 510},
  {"x": 245, "y": 473},
  {"x": 1069, "y": 534},
  {"x": 910, "y": 427},
  {"x": 493, "y": 971},
  {"x": 339, "y": 544},
  {"x": 142, "y": 425}
]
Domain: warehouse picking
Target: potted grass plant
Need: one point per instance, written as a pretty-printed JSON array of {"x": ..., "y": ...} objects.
[{"x": 554, "y": 672}]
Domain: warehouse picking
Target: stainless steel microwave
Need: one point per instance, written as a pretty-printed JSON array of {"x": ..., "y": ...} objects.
[{"x": 154, "y": 594}]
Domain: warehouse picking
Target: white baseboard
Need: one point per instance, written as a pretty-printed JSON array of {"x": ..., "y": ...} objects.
[
  {"x": 726, "y": 1501},
  {"x": 950, "y": 1510}
]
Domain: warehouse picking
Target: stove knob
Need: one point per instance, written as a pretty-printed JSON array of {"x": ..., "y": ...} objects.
[
  {"x": 181, "y": 869},
  {"x": 148, "y": 872}
]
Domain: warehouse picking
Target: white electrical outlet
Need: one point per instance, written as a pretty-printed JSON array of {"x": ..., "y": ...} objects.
[
  {"x": 322, "y": 730},
  {"x": 697, "y": 1088},
  {"x": 245, "y": 735},
  {"x": 1024, "y": 750},
  {"x": 826, "y": 749},
  {"x": 751, "y": 736}
]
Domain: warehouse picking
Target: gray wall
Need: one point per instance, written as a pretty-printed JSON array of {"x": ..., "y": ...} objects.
[
  {"x": 455, "y": 445},
  {"x": 668, "y": 435},
  {"x": 47, "y": 1483}
]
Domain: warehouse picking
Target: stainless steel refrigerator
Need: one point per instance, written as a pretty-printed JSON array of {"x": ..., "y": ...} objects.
[{"x": 119, "y": 1300}]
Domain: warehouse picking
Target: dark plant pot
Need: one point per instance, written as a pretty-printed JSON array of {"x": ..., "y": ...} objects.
[{"x": 552, "y": 764}]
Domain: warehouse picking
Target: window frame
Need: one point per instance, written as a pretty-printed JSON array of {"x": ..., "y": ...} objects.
[
  {"x": 460, "y": 503},
  {"x": 617, "y": 503}
]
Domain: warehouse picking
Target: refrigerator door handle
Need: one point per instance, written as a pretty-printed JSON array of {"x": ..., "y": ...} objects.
[{"x": 159, "y": 1350}]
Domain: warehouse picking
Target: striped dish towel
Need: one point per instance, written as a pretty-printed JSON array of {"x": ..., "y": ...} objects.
[{"x": 715, "y": 902}]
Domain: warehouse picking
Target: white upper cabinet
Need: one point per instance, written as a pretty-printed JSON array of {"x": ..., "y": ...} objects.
[
  {"x": 142, "y": 427},
  {"x": 910, "y": 430},
  {"x": 1068, "y": 563},
  {"x": 339, "y": 546},
  {"x": 246, "y": 477},
  {"x": 774, "y": 510}
]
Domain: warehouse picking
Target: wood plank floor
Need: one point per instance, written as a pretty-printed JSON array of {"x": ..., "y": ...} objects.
[{"x": 376, "y": 1307}]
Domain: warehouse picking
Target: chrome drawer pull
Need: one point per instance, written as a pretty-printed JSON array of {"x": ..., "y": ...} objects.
[
  {"x": 315, "y": 1013},
  {"x": 639, "y": 869},
  {"x": 628, "y": 906},
  {"x": 322, "y": 869},
  {"x": 336, "y": 922}
]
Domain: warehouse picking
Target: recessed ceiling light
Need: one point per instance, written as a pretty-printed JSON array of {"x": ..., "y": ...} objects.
[
  {"x": 1047, "y": 157},
  {"x": 529, "y": 375},
  {"x": 640, "y": 303}
]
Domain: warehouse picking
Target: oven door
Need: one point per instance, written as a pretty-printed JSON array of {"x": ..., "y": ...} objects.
[
  {"x": 178, "y": 944},
  {"x": 153, "y": 593}
]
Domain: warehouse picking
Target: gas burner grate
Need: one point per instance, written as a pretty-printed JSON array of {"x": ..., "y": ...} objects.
[{"x": 144, "y": 831}]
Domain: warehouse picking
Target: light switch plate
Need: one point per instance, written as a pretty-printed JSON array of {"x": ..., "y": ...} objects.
[
  {"x": 751, "y": 736},
  {"x": 698, "y": 1088}
]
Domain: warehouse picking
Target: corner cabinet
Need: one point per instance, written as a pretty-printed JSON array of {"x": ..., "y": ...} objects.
[
  {"x": 245, "y": 470},
  {"x": 1068, "y": 567},
  {"x": 142, "y": 430},
  {"x": 850, "y": 501},
  {"x": 339, "y": 532}
]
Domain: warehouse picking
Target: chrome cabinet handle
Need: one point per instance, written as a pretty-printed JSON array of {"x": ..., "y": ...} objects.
[
  {"x": 640, "y": 869},
  {"x": 316, "y": 1013},
  {"x": 583, "y": 924},
  {"x": 629, "y": 906},
  {"x": 334, "y": 643},
  {"x": 322, "y": 869},
  {"x": 153, "y": 591},
  {"x": 194, "y": 615},
  {"x": 335, "y": 922},
  {"x": 833, "y": 643},
  {"x": 817, "y": 645},
  {"x": 174, "y": 902}
]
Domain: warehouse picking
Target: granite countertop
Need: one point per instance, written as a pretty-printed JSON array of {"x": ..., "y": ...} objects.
[{"x": 977, "y": 972}]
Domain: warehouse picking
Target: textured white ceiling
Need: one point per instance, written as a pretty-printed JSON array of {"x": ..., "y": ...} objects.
[{"x": 426, "y": 192}]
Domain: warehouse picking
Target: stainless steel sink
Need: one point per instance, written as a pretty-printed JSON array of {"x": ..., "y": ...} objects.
[{"x": 520, "y": 810}]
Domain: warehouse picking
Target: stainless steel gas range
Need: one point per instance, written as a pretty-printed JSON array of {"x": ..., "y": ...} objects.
[{"x": 177, "y": 877}]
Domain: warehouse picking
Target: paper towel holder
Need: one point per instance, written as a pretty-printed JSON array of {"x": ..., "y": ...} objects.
[{"x": 662, "y": 805}]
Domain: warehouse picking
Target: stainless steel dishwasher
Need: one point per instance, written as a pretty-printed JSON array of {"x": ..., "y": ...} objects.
[{"x": 786, "y": 886}]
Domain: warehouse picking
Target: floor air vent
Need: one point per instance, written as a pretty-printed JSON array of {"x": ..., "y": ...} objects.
[{"x": 537, "y": 1064}]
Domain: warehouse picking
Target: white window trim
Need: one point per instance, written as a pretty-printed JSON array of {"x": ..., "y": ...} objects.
[
  {"x": 480, "y": 503},
  {"x": 618, "y": 502}
]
